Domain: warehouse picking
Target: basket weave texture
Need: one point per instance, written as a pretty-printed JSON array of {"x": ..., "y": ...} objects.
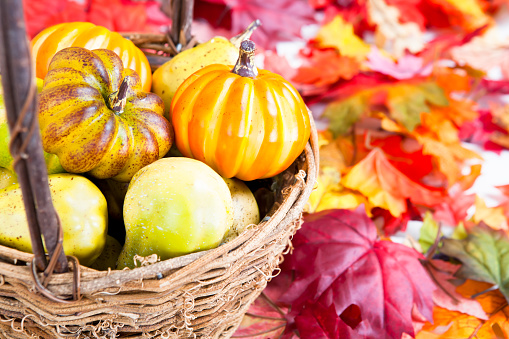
[{"x": 200, "y": 295}]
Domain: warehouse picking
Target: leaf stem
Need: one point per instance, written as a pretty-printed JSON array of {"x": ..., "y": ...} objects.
[
  {"x": 426, "y": 265},
  {"x": 472, "y": 336},
  {"x": 273, "y": 304},
  {"x": 492, "y": 288},
  {"x": 264, "y": 317}
]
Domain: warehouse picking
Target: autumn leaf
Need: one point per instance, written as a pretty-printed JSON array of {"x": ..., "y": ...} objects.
[
  {"x": 492, "y": 216},
  {"x": 343, "y": 114},
  {"x": 429, "y": 232},
  {"x": 439, "y": 136},
  {"x": 446, "y": 296},
  {"x": 339, "y": 34},
  {"x": 318, "y": 321},
  {"x": 410, "y": 11},
  {"x": 395, "y": 36},
  {"x": 282, "y": 20},
  {"x": 450, "y": 324},
  {"x": 463, "y": 13},
  {"x": 485, "y": 52},
  {"x": 37, "y": 12},
  {"x": 322, "y": 68},
  {"x": 262, "y": 320},
  {"x": 385, "y": 186},
  {"x": 391, "y": 224},
  {"x": 453, "y": 324},
  {"x": 455, "y": 207},
  {"x": 404, "y": 102},
  {"x": 406, "y": 67},
  {"x": 484, "y": 255},
  {"x": 338, "y": 260}
]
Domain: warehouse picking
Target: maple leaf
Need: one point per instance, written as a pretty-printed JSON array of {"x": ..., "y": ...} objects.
[
  {"x": 390, "y": 224},
  {"x": 387, "y": 187},
  {"x": 446, "y": 296},
  {"x": 403, "y": 101},
  {"x": 338, "y": 260},
  {"x": 453, "y": 324},
  {"x": 407, "y": 102},
  {"x": 407, "y": 67},
  {"x": 492, "y": 216},
  {"x": 463, "y": 13},
  {"x": 410, "y": 11},
  {"x": 282, "y": 19},
  {"x": 37, "y": 13},
  {"x": 484, "y": 52},
  {"x": 263, "y": 320},
  {"x": 395, "y": 35},
  {"x": 318, "y": 321},
  {"x": 321, "y": 69},
  {"x": 439, "y": 138},
  {"x": 454, "y": 209},
  {"x": 339, "y": 34},
  {"x": 484, "y": 255}
]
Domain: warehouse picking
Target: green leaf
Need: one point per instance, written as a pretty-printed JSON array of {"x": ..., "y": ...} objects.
[
  {"x": 343, "y": 114},
  {"x": 429, "y": 232},
  {"x": 484, "y": 255},
  {"x": 406, "y": 102}
]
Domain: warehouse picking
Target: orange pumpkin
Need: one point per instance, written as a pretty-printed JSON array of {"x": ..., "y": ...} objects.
[
  {"x": 85, "y": 34},
  {"x": 244, "y": 123}
]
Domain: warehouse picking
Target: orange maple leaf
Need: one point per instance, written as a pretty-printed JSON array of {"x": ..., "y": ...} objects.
[
  {"x": 438, "y": 135},
  {"x": 453, "y": 80},
  {"x": 451, "y": 324},
  {"x": 387, "y": 187}
]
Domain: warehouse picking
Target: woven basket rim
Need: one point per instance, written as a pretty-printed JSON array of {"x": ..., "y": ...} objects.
[{"x": 93, "y": 281}]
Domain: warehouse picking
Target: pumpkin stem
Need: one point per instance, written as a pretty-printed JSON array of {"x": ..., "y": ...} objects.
[
  {"x": 237, "y": 40},
  {"x": 117, "y": 100},
  {"x": 245, "y": 66}
]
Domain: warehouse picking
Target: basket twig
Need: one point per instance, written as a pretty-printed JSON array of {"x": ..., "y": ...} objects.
[{"x": 26, "y": 145}]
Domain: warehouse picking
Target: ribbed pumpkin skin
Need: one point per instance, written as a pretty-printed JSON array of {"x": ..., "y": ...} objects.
[
  {"x": 79, "y": 126},
  {"x": 249, "y": 128},
  {"x": 87, "y": 35}
]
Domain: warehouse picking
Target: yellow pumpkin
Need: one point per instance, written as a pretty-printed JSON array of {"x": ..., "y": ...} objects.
[
  {"x": 242, "y": 122},
  {"x": 85, "y": 34}
]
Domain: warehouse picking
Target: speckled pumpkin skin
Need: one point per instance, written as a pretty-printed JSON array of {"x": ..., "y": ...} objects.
[{"x": 78, "y": 122}]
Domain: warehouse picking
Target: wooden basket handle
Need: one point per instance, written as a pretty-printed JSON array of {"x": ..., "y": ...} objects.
[{"x": 18, "y": 80}]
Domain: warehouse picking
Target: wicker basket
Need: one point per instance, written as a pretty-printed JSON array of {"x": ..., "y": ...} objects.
[{"x": 200, "y": 295}]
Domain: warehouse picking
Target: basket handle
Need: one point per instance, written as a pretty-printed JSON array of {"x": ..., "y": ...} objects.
[{"x": 20, "y": 99}]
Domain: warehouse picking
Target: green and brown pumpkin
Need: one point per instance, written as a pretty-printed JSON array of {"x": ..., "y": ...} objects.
[{"x": 95, "y": 117}]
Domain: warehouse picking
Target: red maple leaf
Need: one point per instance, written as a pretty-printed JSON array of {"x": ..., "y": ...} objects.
[
  {"x": 391, "y": 224},
  {"x": 318, "y": 321},
  {"x": 339, "y": 260},
  {"x": 116, "y": 15},
  {"x": 281, "y": 19}
]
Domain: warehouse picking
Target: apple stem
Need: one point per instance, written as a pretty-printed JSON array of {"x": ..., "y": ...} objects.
[{"x": 245, "y": 65}]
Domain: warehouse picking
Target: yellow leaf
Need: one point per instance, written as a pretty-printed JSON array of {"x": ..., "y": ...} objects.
[
  {"x": 492, "y": 216},
  {"x": 339, "y": 34},
  {"x": 328, "y": 179},
  {"x": 385, "y": 186},
  {"x": 342, "y": 199}
]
